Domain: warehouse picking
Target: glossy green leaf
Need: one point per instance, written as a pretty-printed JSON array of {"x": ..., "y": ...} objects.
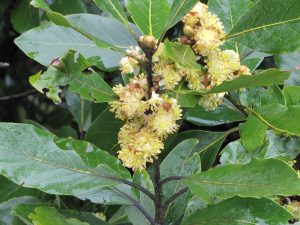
[
  {"x": 67, "y": 7},
  {"x": 290, "y": 61},
  {"x": 81, "y": 110},
  {"x": 193, "y": 206},
  {"x": 259, "y": 178},
  {"x": 24, "y": 17},
  {"x": 240, "y": 211},
  {"x": 185, "y": 101},
  {"x": 149, "y": 15},
  {"x": 178, "y": 10},
  {"x": 292, "y": 95},
  {"x": 104, "y": 131},
  {"x": 225, "y": 113},
  {"x": 135, "y": 216},
  {"x": 253, "y": 133},
  {"x": 48, "y": 216},
  {"x": 257, "y": 28},
  {"x": 280, "y": 117},
  {"x": 6, "y": 218},
  {"x": 209, "y": 144},
  {"x": 60, "y": 166},
  {"x": 259, "y": 96},
  {"x": 114, "y": 8},
  {"x": 265, "y": 78},
  {"x": 183, "y": 55},
  {"x": 187, "y": 162},
  {"x": 89, "y": 86}
]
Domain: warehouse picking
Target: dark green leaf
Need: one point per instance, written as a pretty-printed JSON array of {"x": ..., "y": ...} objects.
[
  {"x": 88, "y": 86},
  {"x": 280, "y": 117},
  {"x": 187, "y": 162},
  {"x": 67, "y": 7},
  {"x": 253, "y": 133},
  {"x": 225, "y": 113},
  {"x": 258, "y": 28},
  {"x": 104, "y": 131},
  {"x": 259, "y": 178},
  {"x": 240, "y": 211},
  {"x": 60, "y": 166},
  {"x": 149, "y": 15}
]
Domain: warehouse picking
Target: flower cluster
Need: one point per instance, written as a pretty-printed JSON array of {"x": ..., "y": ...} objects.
[
  {"x": 130, "y": 63},
  {"x": 147, "y": 122}
]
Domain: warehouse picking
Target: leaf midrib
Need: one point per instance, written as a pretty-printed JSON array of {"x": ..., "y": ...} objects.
[{"x": 260, "y": 27}]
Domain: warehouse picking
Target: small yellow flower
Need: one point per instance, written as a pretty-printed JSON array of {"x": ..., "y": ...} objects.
[
  {"x": 129, "y": 65},
  {"x": 211, "y": 101},
  {"x": 193, "y": 77}
]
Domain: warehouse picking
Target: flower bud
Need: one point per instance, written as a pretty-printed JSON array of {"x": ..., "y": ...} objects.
[
  {"x": 188, "y": 31},
  {"x": 185, "y": 40},
  {"x": 57, "y": 63},
  {"x": 148, "y": 41}
]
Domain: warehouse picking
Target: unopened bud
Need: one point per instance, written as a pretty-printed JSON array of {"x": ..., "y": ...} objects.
[
  {"x": 188, "y": 31},
  {"x": 185, "y": 40},
  {"x": 57, "y": 63},
  {"x": 243, "y": 69},
  {"x": 148, "y": 41}
]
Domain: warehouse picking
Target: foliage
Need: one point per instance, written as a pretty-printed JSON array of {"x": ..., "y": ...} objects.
[{"x": 149, "y": 112}]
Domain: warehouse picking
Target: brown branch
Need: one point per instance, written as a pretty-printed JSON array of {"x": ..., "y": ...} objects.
[{"x": 16, "y": 96}]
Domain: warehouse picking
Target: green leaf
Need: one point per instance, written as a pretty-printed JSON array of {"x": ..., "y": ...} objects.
[
  {"x": 292, "y": 95},
  {"x": 265, "y": 78},
  {"x": 114, "y": 8},
  {"x": 209, "y": 144},
  {"x": 193, "y": 206},
  {"x": 280, "y": 117},
  {"x": 290, "y": 61},
  {"x": 6, "y": 218},
  {"x": 225, "y": 113},
  {"x": 183, "y": 55},
  {"x": 24, "y": 17},
  {"x": 187, "y": 163},
  {"x": 178, "y": 10},
  {"x": 240, "y": 211},
  {"x": 259, "y": 178},
  {"x": 143, "y": 179},
  {"x": 259, "y": 96},
  {"x": 48, "y": 216},
  {"x": 149, "y": 15},
  {"x": 81, "y": 110},
  {"x": 258, "y": 28},
  {"x": 89, "y": 86},
  {"x": 49, "y": 163},
  {"x": 253, "y": 133},
  {"x": 67, "y": 7},
  {"x": 275, "y": 146},
  {"x": 104, "y": 131}
]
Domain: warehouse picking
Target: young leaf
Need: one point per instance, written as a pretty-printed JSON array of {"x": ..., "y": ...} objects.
[
  {"x": 259, "y": 178},
  {"x": 291, "y": 95},
  {"x": 178, "y": 10},
  {"x": 149, "y": 15},
  {"x": 44, "y": 215},
  {"x": 280, "y": 117},
  {"x": 61, "y": 166},
  {"x": 240, "y": 211},
  {"x": 187, "y": 163},
  {"x": 183, "y": 55},
  {"x": 265, "y": 78},
  {"x": 253, "y": 133},
  {"x": 263, "y": 31},
  {"x": 88, "y": 86}
]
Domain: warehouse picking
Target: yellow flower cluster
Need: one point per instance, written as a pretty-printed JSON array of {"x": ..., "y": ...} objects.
[
  {"x": 129, "y": 64},
  {"x": 204, "y": 32},
  {"x": 147, "y": 122}
]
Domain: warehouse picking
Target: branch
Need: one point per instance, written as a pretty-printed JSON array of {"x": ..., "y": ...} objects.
[
  {"x": 159, "y": 207},
  {"x": 15, "y": 96},
  {"x": 174, "y": 196},
  {"x": 134, "y": 185},
  {"x": 138, "y": 206}
]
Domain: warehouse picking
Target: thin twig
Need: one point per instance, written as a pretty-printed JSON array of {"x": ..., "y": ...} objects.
[
  {"x": 159, "y": 207},
  {"x": 138, "y": 206},
  {"x": 15, "y": 96},
  {"x": 174, "y": 196},
  {"x": 171, "y": 178}
]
